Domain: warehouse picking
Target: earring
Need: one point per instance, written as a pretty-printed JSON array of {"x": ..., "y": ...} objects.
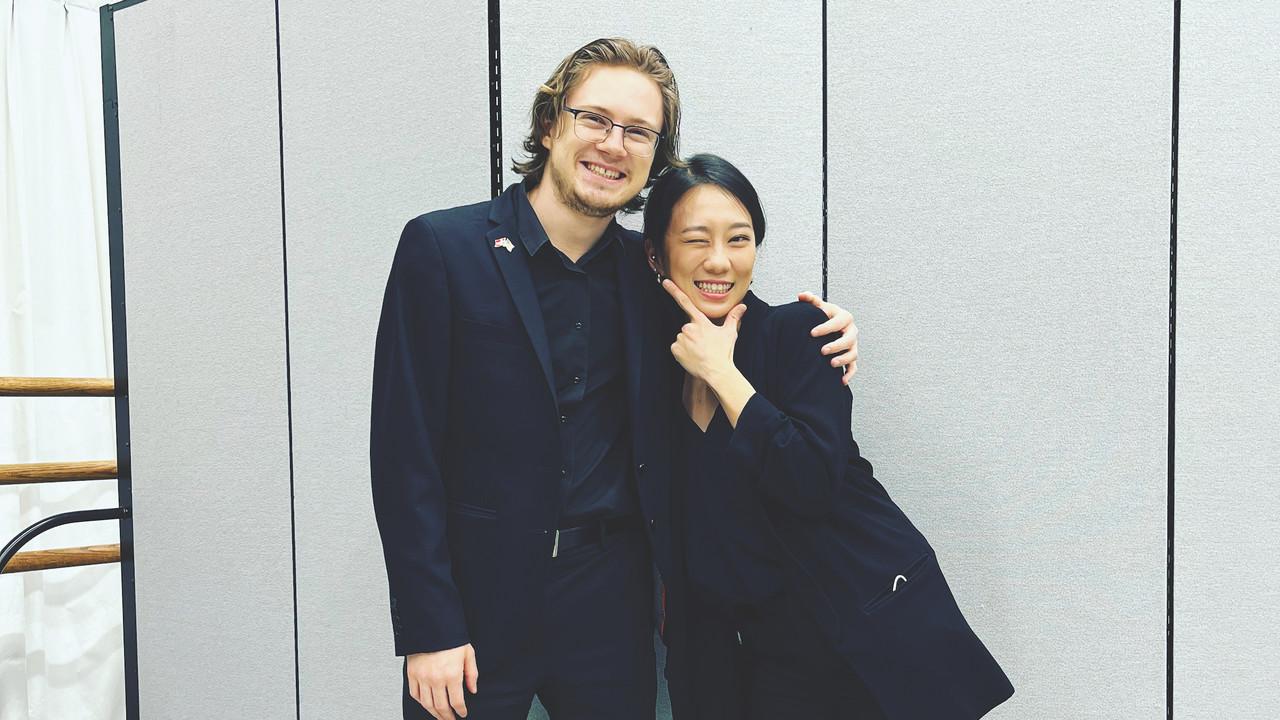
[{"x": 656, "y": 272}]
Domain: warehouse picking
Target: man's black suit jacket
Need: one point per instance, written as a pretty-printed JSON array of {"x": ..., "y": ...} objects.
[{"x": 465, "y": 454}]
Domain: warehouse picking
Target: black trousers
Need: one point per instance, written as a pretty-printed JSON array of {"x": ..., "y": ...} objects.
[
  {"x": 591, "y": 657},
  {"x": 787, "y": 669},
  {"x": 767, "y": 662}
]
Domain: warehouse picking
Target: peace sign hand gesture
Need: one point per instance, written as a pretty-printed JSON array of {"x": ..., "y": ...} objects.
[{"x": 704, "y": 349}]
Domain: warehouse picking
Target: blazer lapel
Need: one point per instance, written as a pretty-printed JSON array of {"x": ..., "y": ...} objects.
[{"x": 512, "y": 260}]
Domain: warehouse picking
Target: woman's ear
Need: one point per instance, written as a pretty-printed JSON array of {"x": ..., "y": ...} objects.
[
  {"x": 651, "y": 256},
  {"x": 654, "y": 264}
]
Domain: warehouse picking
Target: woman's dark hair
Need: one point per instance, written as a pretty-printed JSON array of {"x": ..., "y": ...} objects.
[{"x": 701, "y": 169}]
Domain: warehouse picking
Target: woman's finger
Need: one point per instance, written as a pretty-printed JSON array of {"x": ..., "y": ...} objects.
[
  {"x": 683, "y": 301},
  {"x": 735, "y": 316}
]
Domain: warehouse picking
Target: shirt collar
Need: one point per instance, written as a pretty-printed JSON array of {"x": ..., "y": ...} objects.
[{"x": 535, "y": 237}]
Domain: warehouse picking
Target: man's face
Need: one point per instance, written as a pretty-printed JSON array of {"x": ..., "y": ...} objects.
[{"x": 598, "y": 179}]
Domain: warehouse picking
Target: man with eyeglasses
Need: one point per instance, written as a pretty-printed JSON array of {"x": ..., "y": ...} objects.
[{"x": 518, "y": 461}]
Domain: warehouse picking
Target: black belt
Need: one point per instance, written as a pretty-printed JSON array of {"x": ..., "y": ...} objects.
[{"x": 596, "y": 533}]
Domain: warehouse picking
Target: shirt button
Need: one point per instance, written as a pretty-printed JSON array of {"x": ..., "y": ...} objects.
[
  {"x": 564, "y": 419},
  {"x": 652, "y": 523},
  {"x": 564, "y": 472},
  {"x": 577, "y": 379},
  {"x": 577, "y": 326},
  {"x": 640, "y": 467}
]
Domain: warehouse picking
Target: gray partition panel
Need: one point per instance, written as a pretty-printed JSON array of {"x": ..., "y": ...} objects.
[
  {"x": 750, "y": 77},
  {"x": 209, "y": 423},
  {"x": 385, "y": 118},
  {"x": 1227, "y": 453},
  {"x": 999, "y": 226}
]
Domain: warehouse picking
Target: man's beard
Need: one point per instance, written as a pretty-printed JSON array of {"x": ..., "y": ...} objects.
[{"x": 564, "y": 186}]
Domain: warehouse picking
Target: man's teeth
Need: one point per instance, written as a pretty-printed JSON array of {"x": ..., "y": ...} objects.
[
  {"x": 611, "y": 174},
  {"x": 714, "y": 287}
]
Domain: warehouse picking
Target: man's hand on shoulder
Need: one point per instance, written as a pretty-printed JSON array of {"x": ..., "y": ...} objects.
[
  {"x": 435, "y": 680},
  {"x": 841, "y": 321}
]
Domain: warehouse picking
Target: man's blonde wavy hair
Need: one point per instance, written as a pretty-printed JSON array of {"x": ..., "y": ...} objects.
[{"x": 550, "y": 98}]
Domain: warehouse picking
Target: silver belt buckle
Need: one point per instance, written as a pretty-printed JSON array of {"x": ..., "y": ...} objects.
[{"x": 555, "y": 545}]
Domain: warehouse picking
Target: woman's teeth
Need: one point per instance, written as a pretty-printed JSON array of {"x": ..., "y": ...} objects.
[
  {"x": 715, "y": 288},
  {"x": 602, "y": 172}
]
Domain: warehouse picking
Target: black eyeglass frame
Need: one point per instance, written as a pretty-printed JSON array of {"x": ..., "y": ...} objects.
[{"x": 574, "y": 112}]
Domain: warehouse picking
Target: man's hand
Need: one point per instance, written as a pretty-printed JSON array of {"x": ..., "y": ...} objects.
[
  {"x": 838, "y": 320},
  {"x": 435, "y": 680}
]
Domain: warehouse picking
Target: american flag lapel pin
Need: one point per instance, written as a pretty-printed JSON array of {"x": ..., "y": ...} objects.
[{"x": 503, "y": 242}]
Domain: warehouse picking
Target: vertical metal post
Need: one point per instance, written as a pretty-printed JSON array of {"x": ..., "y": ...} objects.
[
  {"x": 495, "y": 98},
  {"x": 120, "y": 357}
]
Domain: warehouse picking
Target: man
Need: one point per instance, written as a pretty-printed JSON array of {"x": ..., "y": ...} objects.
[{"x": 517, "y": 457}]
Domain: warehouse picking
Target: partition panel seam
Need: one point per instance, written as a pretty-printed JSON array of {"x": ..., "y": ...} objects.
[
  {"x": 288, "y": 372},
  {"x": 824, "y": 149},
  {"x": 1173, "y": 288},
  {"x": 495, "y": 98}
]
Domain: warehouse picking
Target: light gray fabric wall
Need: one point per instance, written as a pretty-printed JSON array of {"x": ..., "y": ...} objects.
[
  {"x": 205, "y": 290},
  {"x": 1227, "y": 425},
  {"x": 999, "y": 222},
  {"x": 385, "y": 118}
]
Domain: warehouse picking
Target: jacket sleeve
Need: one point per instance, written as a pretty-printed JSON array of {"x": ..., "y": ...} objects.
[
  {"x": 407, "y": 430},
  {"x": 795, "y": 440}
]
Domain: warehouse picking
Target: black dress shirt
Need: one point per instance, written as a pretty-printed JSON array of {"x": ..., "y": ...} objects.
[{"x": 583, "y": 317}]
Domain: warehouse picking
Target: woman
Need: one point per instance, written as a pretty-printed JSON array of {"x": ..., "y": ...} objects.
[{"x": 807, "y": 592}]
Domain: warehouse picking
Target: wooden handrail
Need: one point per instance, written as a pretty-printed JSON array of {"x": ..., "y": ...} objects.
[
  {"x": 56, "y": 387},
  {"x": 63, "y": 558},
  {"x": 57, "y": 472}
]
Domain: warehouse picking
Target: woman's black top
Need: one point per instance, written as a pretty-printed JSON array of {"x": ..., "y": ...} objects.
[{"x": 729, "y": 549}]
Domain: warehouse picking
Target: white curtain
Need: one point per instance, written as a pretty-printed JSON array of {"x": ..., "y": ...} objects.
[{"x": 61, "y": 651}]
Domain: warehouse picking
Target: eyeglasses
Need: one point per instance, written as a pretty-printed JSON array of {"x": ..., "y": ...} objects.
[{"x": 593, "y": 127}]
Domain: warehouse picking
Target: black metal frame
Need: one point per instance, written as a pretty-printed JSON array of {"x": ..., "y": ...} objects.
[
  {"x": 120, "y": 356},
  {"x": 1173, "y": 324},
  {"x": 120, "y": 361},
  {"x": 495, "y": 96},
  {"x": 53, "y": 521}
]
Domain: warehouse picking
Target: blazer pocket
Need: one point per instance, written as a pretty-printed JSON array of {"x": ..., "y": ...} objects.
[
  {"x": 476, "y": 331},
  {"x": 902, "y": 582},
  {"x": 472, "y": 511}
]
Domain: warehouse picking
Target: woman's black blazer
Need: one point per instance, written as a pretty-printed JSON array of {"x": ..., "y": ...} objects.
[{"x": 845, "y": 544}]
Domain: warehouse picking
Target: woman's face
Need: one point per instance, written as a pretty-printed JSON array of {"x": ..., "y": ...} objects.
[{"x": 711, "y": 249}]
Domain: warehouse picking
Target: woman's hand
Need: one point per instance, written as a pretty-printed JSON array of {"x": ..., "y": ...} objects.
[
  {"x": 705, "y": 350},
  {"x": 702, "y": 347}
]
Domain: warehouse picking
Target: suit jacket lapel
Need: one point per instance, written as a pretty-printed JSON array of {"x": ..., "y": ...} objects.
[{"x": 513, "y": 261}]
